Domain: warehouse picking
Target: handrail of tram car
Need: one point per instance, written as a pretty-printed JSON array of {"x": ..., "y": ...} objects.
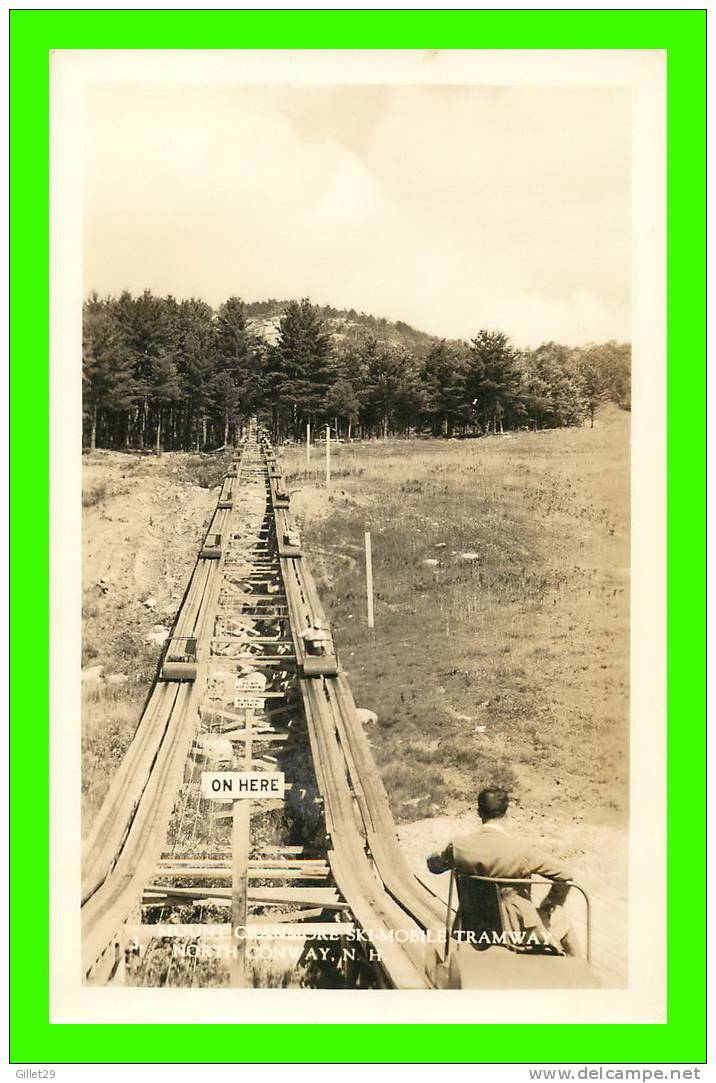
[{"x": 502, "y": 880}]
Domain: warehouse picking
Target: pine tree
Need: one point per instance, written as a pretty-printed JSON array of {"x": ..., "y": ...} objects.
[
  {"x": 237, "y": 381},
  {"x": 493, "y": 380},
  {"x": 196, "y": 361},
  {"x": 444, "y": 375},
  {"x": 163, "y": 389},
  {"x": 107, "y": 371},
  {"x": 301, "y": 364},
  {"x": 342, "y": 403},
  {"x": 393, "y": 387}
]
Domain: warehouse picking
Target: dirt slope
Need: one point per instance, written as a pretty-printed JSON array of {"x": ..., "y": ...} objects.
[{"x": 143, "y": 519}]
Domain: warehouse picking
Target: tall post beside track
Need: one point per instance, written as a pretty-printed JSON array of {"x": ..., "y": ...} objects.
[
  {"x": 308, "y": 441},
  {"x": 241, "y": 829},
  {"x": 328, "y": 455},
  {"x": 369, "y": 577}
]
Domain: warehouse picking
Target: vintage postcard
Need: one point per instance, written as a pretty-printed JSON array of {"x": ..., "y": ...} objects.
[{"x": 358, "y": 603}]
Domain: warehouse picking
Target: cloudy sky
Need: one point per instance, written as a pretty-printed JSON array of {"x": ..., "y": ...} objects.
[{"x": 452, "y": 208}]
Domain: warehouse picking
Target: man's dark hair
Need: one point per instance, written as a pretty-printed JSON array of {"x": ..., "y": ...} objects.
[{"x": 492, "y": 803}]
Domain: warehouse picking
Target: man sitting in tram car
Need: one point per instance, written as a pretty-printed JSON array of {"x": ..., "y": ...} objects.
[{"x": 491, "y": 852}]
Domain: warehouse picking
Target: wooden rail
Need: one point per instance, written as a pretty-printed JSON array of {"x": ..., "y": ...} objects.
[{"x": 123, "y": 855}]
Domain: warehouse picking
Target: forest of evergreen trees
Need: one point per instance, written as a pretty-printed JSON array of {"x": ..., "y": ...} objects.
[{"x": 164, "y": 374}]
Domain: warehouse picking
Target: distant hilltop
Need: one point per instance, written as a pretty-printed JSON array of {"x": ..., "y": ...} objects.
[{"x": 344, "y": 325}]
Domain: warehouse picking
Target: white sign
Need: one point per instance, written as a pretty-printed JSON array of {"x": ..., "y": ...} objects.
[
  {"x": 250, "y": 702},
  {"x": 233, "y": 785},
  {"x": 256, "y": 683}
]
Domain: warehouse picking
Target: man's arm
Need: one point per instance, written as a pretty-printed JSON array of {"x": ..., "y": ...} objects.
[
  {"x": 546, "y": 865},
  {"x": 441, "y": 861}
]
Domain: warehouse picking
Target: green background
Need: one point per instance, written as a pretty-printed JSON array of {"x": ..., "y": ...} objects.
[{"x": 32, "y": 35}]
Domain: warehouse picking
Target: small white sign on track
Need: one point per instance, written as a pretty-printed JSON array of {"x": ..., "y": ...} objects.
[
  {"x": 256, "y": 683},
  {"x": 234, "y": 785}
]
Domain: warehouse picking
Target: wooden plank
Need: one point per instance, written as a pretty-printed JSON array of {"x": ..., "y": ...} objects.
[
  {"x": 254, "y": 862},
  {"x": 275, "y": 917},
  {"x": 240, "y": 846},
  {"x": 242, "y": 735},
  {"x": 263, "y": 806},
  {"x": 251, "y": 640},
  {"x": 232, "y": 716},
  {"x": 288, "y": 708},
  {"x": 279, "y": 640},
  {"x": 266, "y": 873},
  {"x": 250, "y": 693},
  {"x": 242, "y": 609},
  {"x": 255, "y": 661},
  {"x": 298, "y": 930},
  {"x": 286, "y": 850},
  {"x": 254, "y": 596},
  {"x": 309, "y": 895},
  {"x": 105, "y": 967},
  {"x": 265, "y": 764},
  {"x": 260, "y": 661}
]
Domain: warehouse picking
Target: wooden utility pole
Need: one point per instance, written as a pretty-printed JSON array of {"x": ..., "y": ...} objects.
[
  {"x": 369, "y": 577},
  {"x": 308, "y": 441},
  {"x": 240, "y": 842},
  {"x": 328, "y": 455}
]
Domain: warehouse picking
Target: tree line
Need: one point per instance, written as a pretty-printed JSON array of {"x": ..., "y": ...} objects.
[{"x": 165, "y": 374}]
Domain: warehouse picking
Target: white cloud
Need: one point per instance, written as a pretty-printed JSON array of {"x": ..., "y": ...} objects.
[{"x": 450, "y": 208}]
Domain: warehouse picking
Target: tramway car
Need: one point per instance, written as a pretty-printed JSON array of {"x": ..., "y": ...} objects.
[
  {"x": 505, "y": 956},
  {"x": 226, "y": 497},
  {"x": 281, "y": 497},
  {"x": 319, "y": 653},
  {"x": 180, "y": 659},
  {"x": 289, "y": 542},
  {"x": 211, "y": 548}
]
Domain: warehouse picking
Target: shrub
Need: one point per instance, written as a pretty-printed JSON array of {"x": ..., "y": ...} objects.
[{"x": 94, "y": 496}]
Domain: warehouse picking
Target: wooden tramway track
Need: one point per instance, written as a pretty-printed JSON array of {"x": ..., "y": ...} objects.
[
  {"x": 364, "y": 856},
  {"x": 127, "y": 836}
]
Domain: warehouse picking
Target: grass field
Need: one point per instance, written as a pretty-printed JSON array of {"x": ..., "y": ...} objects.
[{"x": 500, "y": 647}]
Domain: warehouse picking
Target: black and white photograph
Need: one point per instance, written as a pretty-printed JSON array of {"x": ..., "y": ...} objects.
[{"x": 357, "y": 396}]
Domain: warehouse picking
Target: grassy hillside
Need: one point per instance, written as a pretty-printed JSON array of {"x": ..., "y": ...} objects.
[{"x": 500, "y": 651}]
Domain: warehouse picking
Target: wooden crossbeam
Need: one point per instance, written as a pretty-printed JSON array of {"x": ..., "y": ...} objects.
[
  {"x": 263, "y": 806},
  {"x": 260, "y": 735},
  {"x": 252, "y": 640},
  {"x": 232, "y": 716},
  {"x": 276, "y": 917},
  {"x": 264, "y": 764},
  {"x": 221, "y": 933},
  {"x": 278, "y": 640},
  {"x": 273, "y": 872},
  {"x": 248, "y": 596},
  {"x": 254, "y": 693},
  {"x": 253, "y": 659},
  {"x": 286, "y": 709},
  {"x": 240, "y": 610},
  {"x": 326, "y": 896},
  {"x": 256, "y": 862},
  {"x": 245, "y": 605}
]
